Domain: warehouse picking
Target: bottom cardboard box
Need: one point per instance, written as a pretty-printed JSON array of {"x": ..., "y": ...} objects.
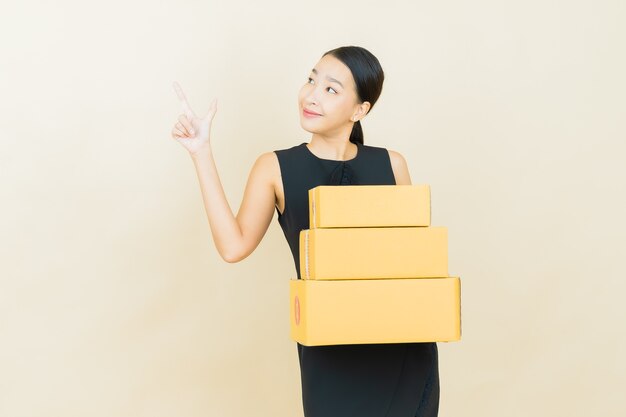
[{"x": 352, "y": 311}]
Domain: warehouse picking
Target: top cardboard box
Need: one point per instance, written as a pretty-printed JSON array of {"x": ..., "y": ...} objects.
[{"x": 369, "y": 206}]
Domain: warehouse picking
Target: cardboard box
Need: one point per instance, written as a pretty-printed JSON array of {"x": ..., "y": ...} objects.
[
  {"x": 375, "y": 311},
  {"x": 373, "y": 252},
  {"x": 369, "y": 206}
]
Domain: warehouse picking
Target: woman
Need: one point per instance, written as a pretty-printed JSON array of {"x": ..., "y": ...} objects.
[{"x": 364, "y": 380}]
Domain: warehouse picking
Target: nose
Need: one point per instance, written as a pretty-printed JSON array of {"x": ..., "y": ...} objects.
[{"x": 311, "y": 98}]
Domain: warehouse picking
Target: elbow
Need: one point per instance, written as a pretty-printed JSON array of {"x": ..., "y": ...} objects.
[
  {"x": 231, "y": 258},
  {"x": 234, "y": 253},
  {"x": 234, "y": 256}
]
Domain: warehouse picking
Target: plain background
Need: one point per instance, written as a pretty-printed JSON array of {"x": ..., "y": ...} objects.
[{"x": 113, "y": 298}]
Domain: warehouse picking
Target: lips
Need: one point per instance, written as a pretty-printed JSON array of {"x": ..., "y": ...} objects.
[{"x": 312, "y": 113}]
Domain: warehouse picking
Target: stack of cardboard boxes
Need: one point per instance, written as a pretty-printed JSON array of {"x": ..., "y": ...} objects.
[{"x": 373, "y": 269}]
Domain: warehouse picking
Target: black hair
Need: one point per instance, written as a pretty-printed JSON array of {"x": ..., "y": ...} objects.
[{"x": 368, "y": 76}]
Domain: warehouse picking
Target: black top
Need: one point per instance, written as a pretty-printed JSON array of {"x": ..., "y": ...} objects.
[{"x": 360, "y": 380}]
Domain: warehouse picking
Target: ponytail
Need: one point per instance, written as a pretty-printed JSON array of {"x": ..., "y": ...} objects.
[
  {"x": 368, "y": 78},
  {"x": 357, "y": 133}
]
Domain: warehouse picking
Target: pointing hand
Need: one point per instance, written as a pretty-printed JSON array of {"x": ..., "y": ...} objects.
[{"x": 192, "y": 131}]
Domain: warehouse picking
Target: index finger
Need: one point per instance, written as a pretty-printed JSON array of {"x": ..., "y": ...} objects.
[{"x": 183, "y": 100}]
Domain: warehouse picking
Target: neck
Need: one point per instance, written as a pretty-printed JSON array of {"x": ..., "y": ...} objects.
[{"x": 339, "y": 149}]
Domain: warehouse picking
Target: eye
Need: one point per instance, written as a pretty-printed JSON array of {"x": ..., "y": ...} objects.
[{"x": 311, "y": 79}]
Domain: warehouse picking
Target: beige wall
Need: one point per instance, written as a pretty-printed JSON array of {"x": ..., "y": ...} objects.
[{"x": 113, "y": 299}]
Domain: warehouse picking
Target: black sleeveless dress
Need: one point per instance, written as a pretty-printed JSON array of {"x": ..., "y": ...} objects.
[{"x": 359, "y": 380}]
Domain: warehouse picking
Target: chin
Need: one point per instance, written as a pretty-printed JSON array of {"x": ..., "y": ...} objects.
[
  {"x": 308, "y": 130},
  {"x": 305, "y": 122}
]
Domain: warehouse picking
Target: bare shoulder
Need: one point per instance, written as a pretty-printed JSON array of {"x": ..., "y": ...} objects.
[
  {"x": 267, "y": 165},
  {"x": 396, "y": 158},
  {"x": 400, "y": 167},
  {"x": 268, "y": 158}
]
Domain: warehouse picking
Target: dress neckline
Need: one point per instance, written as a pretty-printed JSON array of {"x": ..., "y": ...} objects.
[{"x": 358, "y": 152}]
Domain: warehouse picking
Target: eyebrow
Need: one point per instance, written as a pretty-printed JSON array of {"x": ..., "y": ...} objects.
[{"x": 329, "y": 78}]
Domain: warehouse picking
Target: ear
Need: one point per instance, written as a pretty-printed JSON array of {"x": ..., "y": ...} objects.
[{"x": 361, "y": 112}]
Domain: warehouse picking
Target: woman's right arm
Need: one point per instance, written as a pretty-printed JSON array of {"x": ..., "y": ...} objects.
[{"x": 235, "y": 237}]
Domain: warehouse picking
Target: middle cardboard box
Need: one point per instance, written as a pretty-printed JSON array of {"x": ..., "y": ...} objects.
[{"x": 373, "y": 253}]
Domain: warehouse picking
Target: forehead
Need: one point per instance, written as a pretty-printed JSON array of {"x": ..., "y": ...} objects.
[{"x": 329, "y": 66}]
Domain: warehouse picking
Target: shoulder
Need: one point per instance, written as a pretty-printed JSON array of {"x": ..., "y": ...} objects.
[
  {"x": 400, "y": 167},
  {"x": 396, "y": 158},
  {"x": 271, "y": 159},
  {"x": 287, "y": 151},
  {"x": 267, "y": 161},
  {"x": 266, "y": 167}
]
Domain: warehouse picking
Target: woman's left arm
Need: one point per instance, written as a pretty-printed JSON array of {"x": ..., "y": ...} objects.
[{"x": 400, "y": 168}]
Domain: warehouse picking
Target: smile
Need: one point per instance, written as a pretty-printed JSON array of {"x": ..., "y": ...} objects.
[{"x": 307, "y": 113}]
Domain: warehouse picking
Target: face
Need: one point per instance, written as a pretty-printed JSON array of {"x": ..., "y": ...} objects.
[{"x": 330, "y": 91}]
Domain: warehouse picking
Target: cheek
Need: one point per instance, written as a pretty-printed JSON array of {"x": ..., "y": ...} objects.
[
  {"x": 339, "y": 107},
  {"x": 302, "y": 95}
]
